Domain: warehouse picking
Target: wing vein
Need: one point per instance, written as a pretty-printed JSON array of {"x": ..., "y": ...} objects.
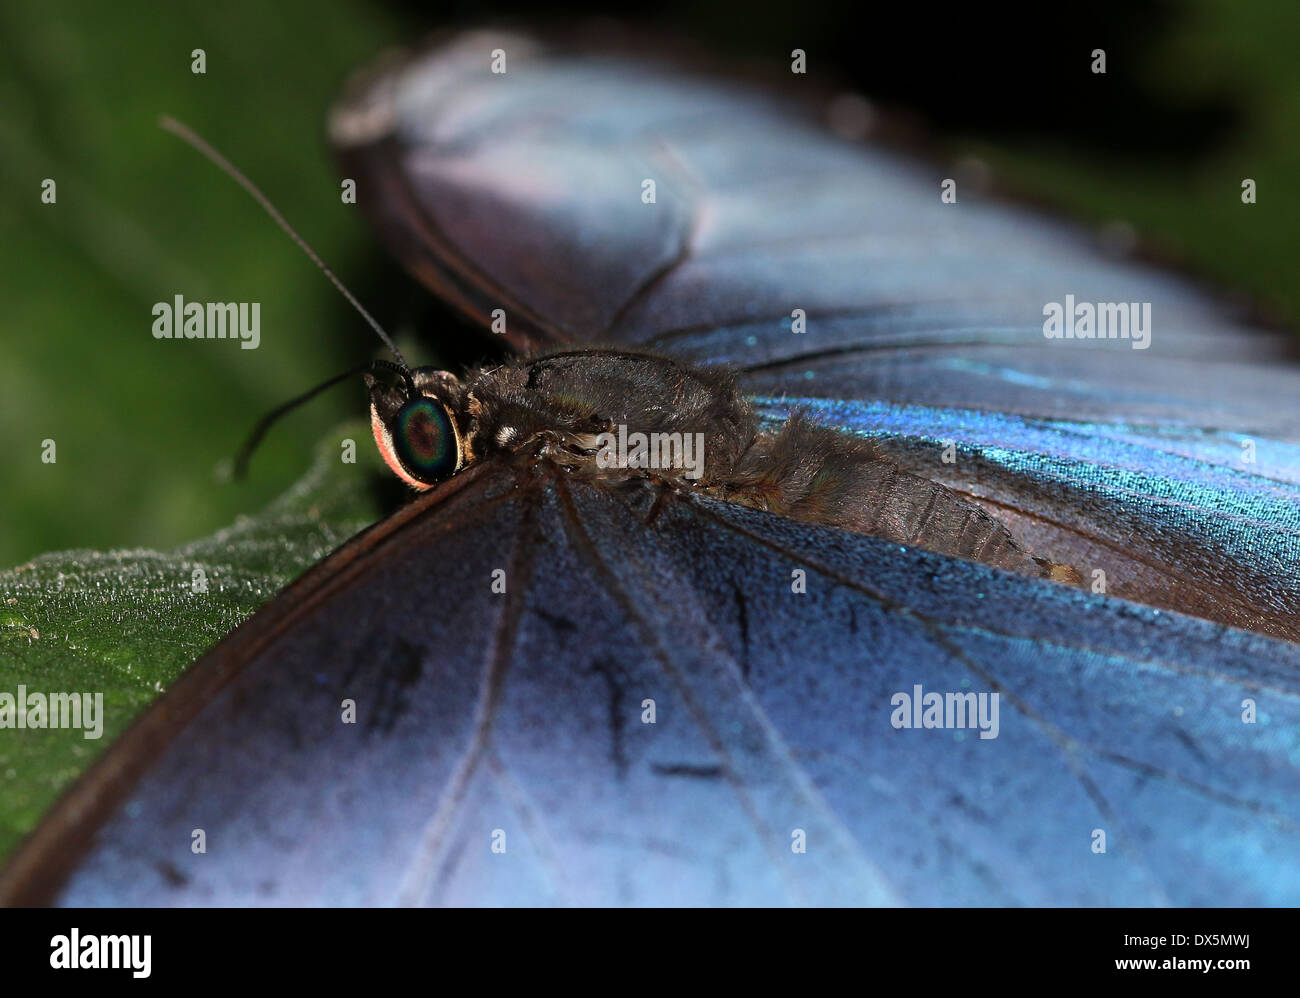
[
  {"x": 1066, "y": 744},
  {"x": 424, "y": 872},
  {"x": 874, "y": 887}
]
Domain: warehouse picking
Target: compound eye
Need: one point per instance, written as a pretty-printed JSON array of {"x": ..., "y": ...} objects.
[{"x": 425, "y": 440}]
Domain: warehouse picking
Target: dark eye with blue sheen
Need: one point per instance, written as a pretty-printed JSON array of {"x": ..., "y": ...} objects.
[{"x": 425, "y": 440}]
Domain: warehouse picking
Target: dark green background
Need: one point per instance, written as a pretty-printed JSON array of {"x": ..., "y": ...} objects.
[{"x": 1197, "y": 97}]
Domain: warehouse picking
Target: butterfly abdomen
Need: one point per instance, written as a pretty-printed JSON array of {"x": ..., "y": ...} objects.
[{"x": 820, "y": 475}]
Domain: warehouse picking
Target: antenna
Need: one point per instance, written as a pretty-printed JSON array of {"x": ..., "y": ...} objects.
[
  {"x": 190, "y": 136},
  {"x": 259, "y": 431}
]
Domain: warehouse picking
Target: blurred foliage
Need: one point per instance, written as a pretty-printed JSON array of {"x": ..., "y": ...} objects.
[
  {"x": 142, "y": 424},
  {"x": 126, "y": 623},
  {"x": 1186, "y": 204}
]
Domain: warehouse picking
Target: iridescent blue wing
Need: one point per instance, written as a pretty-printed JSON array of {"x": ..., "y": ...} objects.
[
  {"x": 1168, "y": 474},
  {"x": 655, "y": 712}
]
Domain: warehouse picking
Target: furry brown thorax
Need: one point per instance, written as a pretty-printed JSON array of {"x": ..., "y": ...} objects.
[{"x": 571, "y": 408}]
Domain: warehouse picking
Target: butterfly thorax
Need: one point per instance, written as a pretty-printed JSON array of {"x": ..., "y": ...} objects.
[{"x": 612, "y": 414}]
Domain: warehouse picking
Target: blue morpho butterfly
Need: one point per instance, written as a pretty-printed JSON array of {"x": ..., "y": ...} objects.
[{"x": 576, "y": 688}]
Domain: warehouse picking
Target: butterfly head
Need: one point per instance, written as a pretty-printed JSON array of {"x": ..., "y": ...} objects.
[{"x": 417, "y": 422}]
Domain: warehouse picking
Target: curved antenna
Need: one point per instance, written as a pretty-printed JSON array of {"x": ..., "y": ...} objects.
[
  {"x": 259, "y": 431},
  {"x": 189, "y": 135}
]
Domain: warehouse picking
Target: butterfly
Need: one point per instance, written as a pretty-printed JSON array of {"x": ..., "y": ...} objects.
[{"x": 624, "y": 689}]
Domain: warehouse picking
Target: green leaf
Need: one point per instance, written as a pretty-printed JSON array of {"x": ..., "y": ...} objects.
[{"x": 124, "y": 624}]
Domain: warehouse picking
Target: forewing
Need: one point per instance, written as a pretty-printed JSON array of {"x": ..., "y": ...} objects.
[
  {"x": 1168, "y": 474},
  {"x": 653, "y": 712}
]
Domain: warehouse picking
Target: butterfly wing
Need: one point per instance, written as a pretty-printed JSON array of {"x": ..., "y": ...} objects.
[
  {"x": 652, "y": 712},
  {"x": 1168, "y": 474}
]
